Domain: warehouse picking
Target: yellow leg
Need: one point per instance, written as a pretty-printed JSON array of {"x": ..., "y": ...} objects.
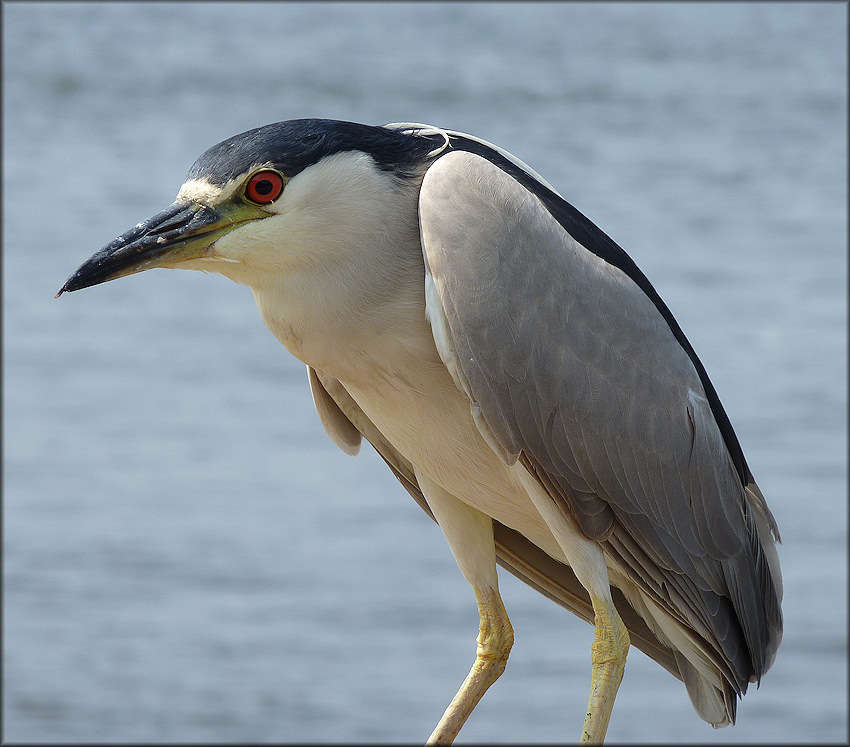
[
  {"x": 494, "y": 644},
  {"x": 611, "y": 641},
  {"x": 608, "y": 654}
]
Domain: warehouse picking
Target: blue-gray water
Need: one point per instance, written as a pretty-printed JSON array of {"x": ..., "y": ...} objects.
[{"x": 187, "y": 556}]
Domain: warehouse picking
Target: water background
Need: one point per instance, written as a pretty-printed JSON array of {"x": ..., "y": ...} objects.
[{"x": 188, "y": 557}]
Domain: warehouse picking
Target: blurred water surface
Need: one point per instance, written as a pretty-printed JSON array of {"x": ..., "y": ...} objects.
[{"x": 187, "y": 556}]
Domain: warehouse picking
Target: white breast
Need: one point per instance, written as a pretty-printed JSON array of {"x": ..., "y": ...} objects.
[{"x": 428, "y": 419}]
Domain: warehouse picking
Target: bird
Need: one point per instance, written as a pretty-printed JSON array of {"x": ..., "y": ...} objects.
[{"x": 516, "y": 371}]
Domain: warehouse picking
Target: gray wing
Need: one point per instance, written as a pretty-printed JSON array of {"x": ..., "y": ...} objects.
[{"x": 571, "y": 368}]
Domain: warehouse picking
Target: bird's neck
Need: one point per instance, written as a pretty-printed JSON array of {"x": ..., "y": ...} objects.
[{"x": 353, "y": 320}]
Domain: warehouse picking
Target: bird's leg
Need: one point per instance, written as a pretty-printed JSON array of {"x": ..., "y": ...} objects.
[
  {"x": 611, "y": 639},
  {"x": 608, "y": 654},
  {"x": 494, "y": 644},
  {"x": 470, "y": 536}
]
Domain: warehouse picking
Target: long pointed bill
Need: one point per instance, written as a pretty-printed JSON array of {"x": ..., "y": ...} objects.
[{"x": 181, "y": 232}]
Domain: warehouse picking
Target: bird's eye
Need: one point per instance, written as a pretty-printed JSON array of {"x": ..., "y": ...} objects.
[{"x": 264, "y": 187}]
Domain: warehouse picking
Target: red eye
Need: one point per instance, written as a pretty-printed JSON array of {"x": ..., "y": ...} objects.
[{"x": 264, "y": 187}]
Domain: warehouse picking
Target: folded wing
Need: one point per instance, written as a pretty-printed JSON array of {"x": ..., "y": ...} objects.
[{"x": 572, "y": 368}]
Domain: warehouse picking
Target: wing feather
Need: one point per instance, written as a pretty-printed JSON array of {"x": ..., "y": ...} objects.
[{"x": 336, "y": 425}]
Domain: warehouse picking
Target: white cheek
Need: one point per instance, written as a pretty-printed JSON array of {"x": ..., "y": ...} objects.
[
  {"x": 339, "y": 205},
  {"x": 255, "y": 242}
]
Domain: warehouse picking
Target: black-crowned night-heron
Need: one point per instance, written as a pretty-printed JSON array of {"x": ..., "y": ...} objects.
[{"x": 516, "y": 371}]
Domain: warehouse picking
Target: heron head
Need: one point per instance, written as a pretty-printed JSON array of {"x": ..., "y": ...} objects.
[{"x": 267, "y": 199}]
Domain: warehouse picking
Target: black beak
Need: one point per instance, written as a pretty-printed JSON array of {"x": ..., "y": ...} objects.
[{"x": 181, "y": 232}]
